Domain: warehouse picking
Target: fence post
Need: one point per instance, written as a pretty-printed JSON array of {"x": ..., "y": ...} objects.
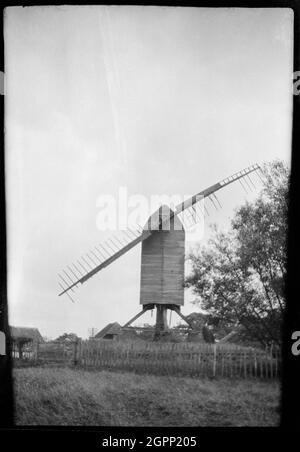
[
  {"x": 271, "y": 360},
  {"x": 36, "y": 351},
  {"x": 276, "y": 362},
  {"x": 214, "y": 359},
  {"x": 255, "y": 364},
  {"x": 76, "y": 352}
]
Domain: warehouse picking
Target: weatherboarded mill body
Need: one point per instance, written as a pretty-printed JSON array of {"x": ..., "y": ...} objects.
[{"x": 162, "y": 265}]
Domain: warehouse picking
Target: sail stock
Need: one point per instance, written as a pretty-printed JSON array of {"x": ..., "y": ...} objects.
[{"x": 107, "y": 252}]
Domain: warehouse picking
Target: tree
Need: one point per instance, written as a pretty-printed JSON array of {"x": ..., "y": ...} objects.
[
  {"x": 67, "y": 338},
  {"x": 200, "y": 331},
  {"x": 47, "y": 339},
  {"x": 239, "y": 276}
]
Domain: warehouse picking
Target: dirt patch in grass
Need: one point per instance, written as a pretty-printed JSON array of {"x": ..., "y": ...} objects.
[{"x": 63, "y": 396}]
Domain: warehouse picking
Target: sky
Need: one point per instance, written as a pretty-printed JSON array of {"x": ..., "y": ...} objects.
[{"x": 151, "y": 100}]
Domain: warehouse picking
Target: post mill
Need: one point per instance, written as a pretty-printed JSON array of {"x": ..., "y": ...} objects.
[{"x": 162, "y": 255}]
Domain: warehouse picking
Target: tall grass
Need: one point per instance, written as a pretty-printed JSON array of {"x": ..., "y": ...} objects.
[{"x": 63, "y": 396}]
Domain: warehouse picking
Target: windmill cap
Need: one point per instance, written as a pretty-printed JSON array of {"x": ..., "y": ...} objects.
[{"x": 160, "y": 215}]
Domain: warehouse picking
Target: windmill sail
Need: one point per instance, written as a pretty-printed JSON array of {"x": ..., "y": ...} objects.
[
  {"x": 103, "y": 255},
  {"x": 210, "y": 191}
]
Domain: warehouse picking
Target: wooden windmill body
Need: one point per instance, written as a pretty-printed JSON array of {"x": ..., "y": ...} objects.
[
  {"x": 162, "y": 256},
  {"x": 162, "y": 267}
]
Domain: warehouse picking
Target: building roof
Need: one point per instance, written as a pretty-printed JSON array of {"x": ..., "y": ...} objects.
[
  {"x": 23, "y": 332},
  {"x": 111, "y": 328}
]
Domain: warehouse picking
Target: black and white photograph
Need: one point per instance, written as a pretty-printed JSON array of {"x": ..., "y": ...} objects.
[{"x": 147, "y": 174}]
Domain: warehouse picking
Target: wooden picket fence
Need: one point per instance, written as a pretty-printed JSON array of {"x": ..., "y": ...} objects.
[
  {"x": 182, "y": 359},
  {"x": 48, "y": 353},
  {"x": 190, "y": 359}
]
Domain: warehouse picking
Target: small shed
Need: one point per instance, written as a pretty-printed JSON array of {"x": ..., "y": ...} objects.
[
  {"x": 110, "y": 331},
  {"x": 22, "y": 336}
]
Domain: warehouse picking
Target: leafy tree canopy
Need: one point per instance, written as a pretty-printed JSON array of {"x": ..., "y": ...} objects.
[
  {"x": 67, "y": 337},
  {"x": 239, "y": 276}
]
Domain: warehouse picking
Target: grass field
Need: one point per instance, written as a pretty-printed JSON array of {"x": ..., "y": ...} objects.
[{"x": 65, "y": 396}]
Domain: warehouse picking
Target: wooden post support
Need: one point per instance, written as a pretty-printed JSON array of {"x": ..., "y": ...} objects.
[
  {"x": 214, "y": 360},
  {"x": 20, "y": 350},
  {"x": 36, "y": 351},
  {"x": 271, "y": 360},
  {"x": 161, "y": 320},
  {"x": 136, "y": 317},
  {"x": 76, "y": 343},
  {"x": 177, "y": 310}
]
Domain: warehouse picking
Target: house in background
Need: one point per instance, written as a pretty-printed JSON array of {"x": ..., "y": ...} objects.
[
  {"x": 114, "y": 331},
  {"x": 24, "y": 337},
  {"x": 110, "y": 331}
]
